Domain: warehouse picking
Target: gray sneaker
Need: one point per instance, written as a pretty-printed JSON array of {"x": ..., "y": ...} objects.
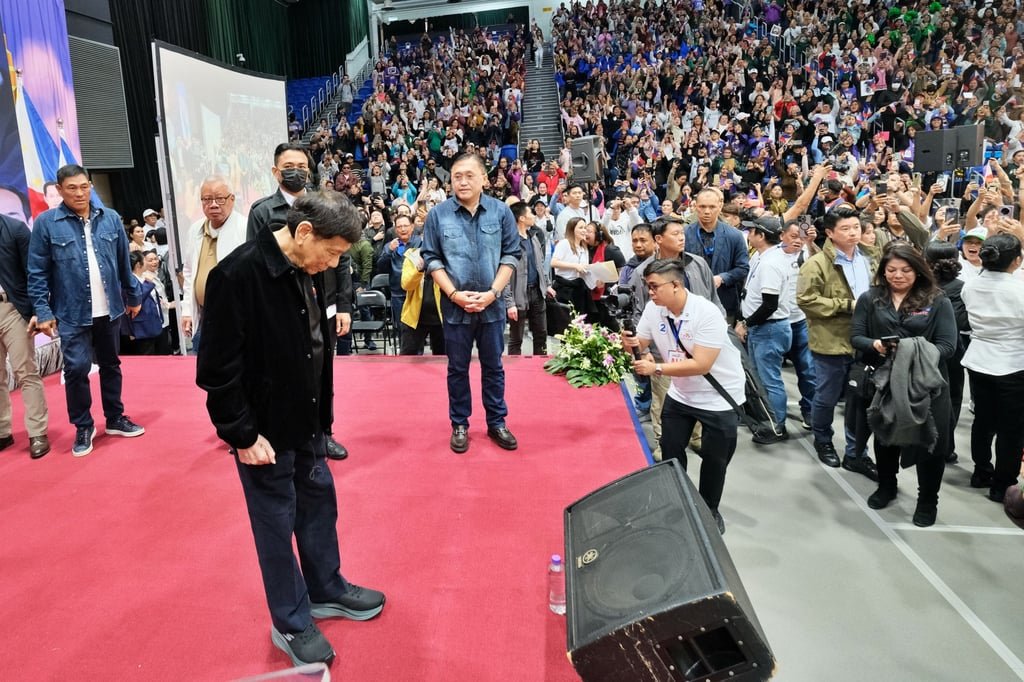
[
  {"x": 308, "y": 646},
  {"x": 358, "y": 603}
]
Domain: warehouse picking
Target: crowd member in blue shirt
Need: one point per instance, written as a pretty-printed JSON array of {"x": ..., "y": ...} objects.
[
  {"x": 78, "y": 270},
  {"x": 471, "y": 247}
]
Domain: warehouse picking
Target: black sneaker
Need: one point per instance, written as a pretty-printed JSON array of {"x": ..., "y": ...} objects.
[
  {"x": 123, "y": 426},
  {"x": 717, "y": 515},
  {"x": 359, "y": 603},
  {"x": 861, "y": 465},
  {"x": 768, "y": 437},
  {"x": 981, "y": 479},
  {"x": 83, "y": 441},
  {"x": 827, "y": 454},
  {"x": 805, "y": 421},
  {"x": 308, "y": 646}
]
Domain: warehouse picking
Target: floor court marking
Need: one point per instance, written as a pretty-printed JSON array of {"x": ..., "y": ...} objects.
[
  {"x": 947, "y": 593},
  {"x": 972, "y": 530}
]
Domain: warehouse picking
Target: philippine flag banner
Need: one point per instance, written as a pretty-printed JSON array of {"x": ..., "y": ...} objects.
[{"x": 38, "y": 150}]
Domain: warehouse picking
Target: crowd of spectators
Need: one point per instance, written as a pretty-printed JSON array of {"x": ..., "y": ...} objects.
[
  {"x": 768, "y": 129},
  {"x": 431, "y": 100}
]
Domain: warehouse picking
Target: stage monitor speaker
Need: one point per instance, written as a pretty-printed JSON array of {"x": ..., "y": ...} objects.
[
  {"x": 935, "y": 151},
  {"x": 587, "y": 159},
  {"x": 652, "y": 594},
  {"x": 970, "y": 146},
  {"x": 939, "y": 151}
]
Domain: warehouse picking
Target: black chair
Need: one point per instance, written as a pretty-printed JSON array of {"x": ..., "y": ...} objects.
[
  {"x": 378, "y": 326},
  {"x": 382, "y": 282}
]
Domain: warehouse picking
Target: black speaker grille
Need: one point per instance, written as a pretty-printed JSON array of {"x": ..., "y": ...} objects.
[
  {"x": 623, "y": 584},
  {"x": 635, "y": 552}
]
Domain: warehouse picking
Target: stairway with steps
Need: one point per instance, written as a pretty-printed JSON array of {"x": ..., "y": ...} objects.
[{"x": 541, "y": 111}]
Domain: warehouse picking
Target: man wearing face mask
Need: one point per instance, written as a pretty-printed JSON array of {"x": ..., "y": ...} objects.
[{"x": 291, "y": 170}]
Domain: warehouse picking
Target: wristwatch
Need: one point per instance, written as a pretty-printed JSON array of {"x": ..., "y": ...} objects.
[{"x": 657, "y": 369}]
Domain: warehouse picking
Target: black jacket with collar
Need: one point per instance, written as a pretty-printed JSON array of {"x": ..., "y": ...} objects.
[
  {"x": 14, "y": 239},
  {"x": 255, "y": 361},
  {"x": 273, "y": 209}
]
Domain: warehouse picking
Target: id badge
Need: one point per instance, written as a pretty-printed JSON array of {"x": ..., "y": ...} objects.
[{"x": 676, "y": 356}]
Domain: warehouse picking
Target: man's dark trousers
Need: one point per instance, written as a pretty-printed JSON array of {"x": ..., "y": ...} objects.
[
  {"x": 78, "y": 344},
  {"x": 490, "y": 343},
  {"x": 295, "y": 496}
]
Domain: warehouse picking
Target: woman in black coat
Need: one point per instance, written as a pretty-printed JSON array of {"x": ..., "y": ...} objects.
[
  {"x": 944, "y": 260},
  {"x": 904, "y": 303}
]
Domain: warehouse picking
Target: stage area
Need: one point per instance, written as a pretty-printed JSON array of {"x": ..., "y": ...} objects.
[{"x": 137, "y": 563}]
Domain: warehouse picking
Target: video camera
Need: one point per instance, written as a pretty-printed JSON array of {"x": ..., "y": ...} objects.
[{"x": 620, "y": 307}]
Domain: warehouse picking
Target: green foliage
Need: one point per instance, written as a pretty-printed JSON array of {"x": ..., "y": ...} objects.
[{"x": 589, "y": 355}]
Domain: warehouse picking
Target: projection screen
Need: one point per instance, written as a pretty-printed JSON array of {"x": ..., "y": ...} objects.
[{"x": 214, "y": 120}]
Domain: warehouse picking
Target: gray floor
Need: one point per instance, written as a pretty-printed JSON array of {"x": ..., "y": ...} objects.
[{"x": 847, "y": 593}]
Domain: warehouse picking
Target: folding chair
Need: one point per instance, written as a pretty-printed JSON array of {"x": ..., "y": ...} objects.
[
  {"x": 382, "y": 282},
  {"x": 378, "y": 326}
]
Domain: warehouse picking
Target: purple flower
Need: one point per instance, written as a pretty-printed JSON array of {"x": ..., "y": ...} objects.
[{"x": 608, "y": 360}]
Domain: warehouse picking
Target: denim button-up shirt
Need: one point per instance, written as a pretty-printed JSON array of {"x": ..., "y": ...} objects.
[
  {"x": 470, "y": 249},
  {"x": 58, "y": 268}
]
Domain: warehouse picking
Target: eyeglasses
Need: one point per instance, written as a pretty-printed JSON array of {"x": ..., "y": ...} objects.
[
  {"x": 653, "y": 286},
  {"x": 220, "y": 201}
]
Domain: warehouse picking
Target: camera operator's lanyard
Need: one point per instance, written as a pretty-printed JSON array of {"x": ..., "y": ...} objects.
[{"x": 680, "y": 353}]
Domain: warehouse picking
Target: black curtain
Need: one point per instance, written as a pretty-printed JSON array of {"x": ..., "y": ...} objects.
[
  {"x": 319, "y": 37},
  {"x": 136, "y": 24}
]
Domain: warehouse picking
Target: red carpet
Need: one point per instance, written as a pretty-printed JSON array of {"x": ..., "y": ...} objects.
[{"x": 137, "y": 563}]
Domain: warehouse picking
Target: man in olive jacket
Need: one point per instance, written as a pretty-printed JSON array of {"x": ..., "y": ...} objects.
[
  {"x": 266, "y": 366},
  {"x": 827, "y": 290}
]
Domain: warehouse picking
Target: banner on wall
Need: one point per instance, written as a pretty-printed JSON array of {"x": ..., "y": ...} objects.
[{"x": 38, "y": 81}]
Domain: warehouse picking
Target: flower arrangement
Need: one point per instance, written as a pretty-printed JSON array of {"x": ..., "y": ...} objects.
[{"x": 589, "y": 355}]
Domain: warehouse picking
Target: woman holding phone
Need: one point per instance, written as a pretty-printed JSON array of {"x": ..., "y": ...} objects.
[{"x": 905, "y": 302}]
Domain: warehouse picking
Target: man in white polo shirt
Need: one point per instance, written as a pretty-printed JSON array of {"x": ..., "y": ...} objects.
[
  {"x": 692, "y": 335},
  {"x": 765, "y": 310}
]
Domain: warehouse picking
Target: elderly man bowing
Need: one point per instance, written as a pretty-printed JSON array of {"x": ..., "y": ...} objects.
[{"x": 266, "y": 367}]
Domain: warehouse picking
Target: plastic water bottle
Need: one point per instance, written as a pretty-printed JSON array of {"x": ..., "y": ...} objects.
[{"x": 556, "y": 585}]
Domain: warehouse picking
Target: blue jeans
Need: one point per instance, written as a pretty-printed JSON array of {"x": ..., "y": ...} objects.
[
  {"x": 490, "y": 342},
  {"x": 800, "y": 355},
  {"x": 768, "y": 343},
  {"x": 830, "y": 373},
  {"x": 79, "y": 344},
  {"x": 295, "y": 497}
]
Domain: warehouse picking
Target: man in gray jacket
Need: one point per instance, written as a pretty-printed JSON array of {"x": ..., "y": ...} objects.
[{"x": 530, "y": 284}]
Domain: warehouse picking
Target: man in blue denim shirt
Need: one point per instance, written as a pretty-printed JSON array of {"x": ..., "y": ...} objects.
[
  {"x": 79, "y": 276},
  {"x": 471, "y": 247}
]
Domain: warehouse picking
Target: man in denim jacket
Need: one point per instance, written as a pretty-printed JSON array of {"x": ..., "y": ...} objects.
[
  {"x": 78, "y": 270},
  {"x": 471, "y": 247}
]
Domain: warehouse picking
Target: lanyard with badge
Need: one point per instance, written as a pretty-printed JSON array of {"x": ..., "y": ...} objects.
[{"x": 682, "y": 353}]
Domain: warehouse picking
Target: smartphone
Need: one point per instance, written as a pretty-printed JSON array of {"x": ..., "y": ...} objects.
[
  {"x": 1006, "y": 211},
  {"x": 943, "y": 181},
  {"x": 881, "y": 187},
  {"x": 890, "y": 341},
  {"x": 805, "y": 221},
  {"x": 915, "y": 180}
]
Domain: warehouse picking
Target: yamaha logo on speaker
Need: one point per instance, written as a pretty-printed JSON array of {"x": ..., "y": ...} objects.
[{"x": 589, "y": 557}]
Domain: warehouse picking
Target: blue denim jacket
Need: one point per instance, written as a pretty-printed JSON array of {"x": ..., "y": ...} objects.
[
  {"x": 470, "y": 248},
  {"x": 58, "y": 271}
]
